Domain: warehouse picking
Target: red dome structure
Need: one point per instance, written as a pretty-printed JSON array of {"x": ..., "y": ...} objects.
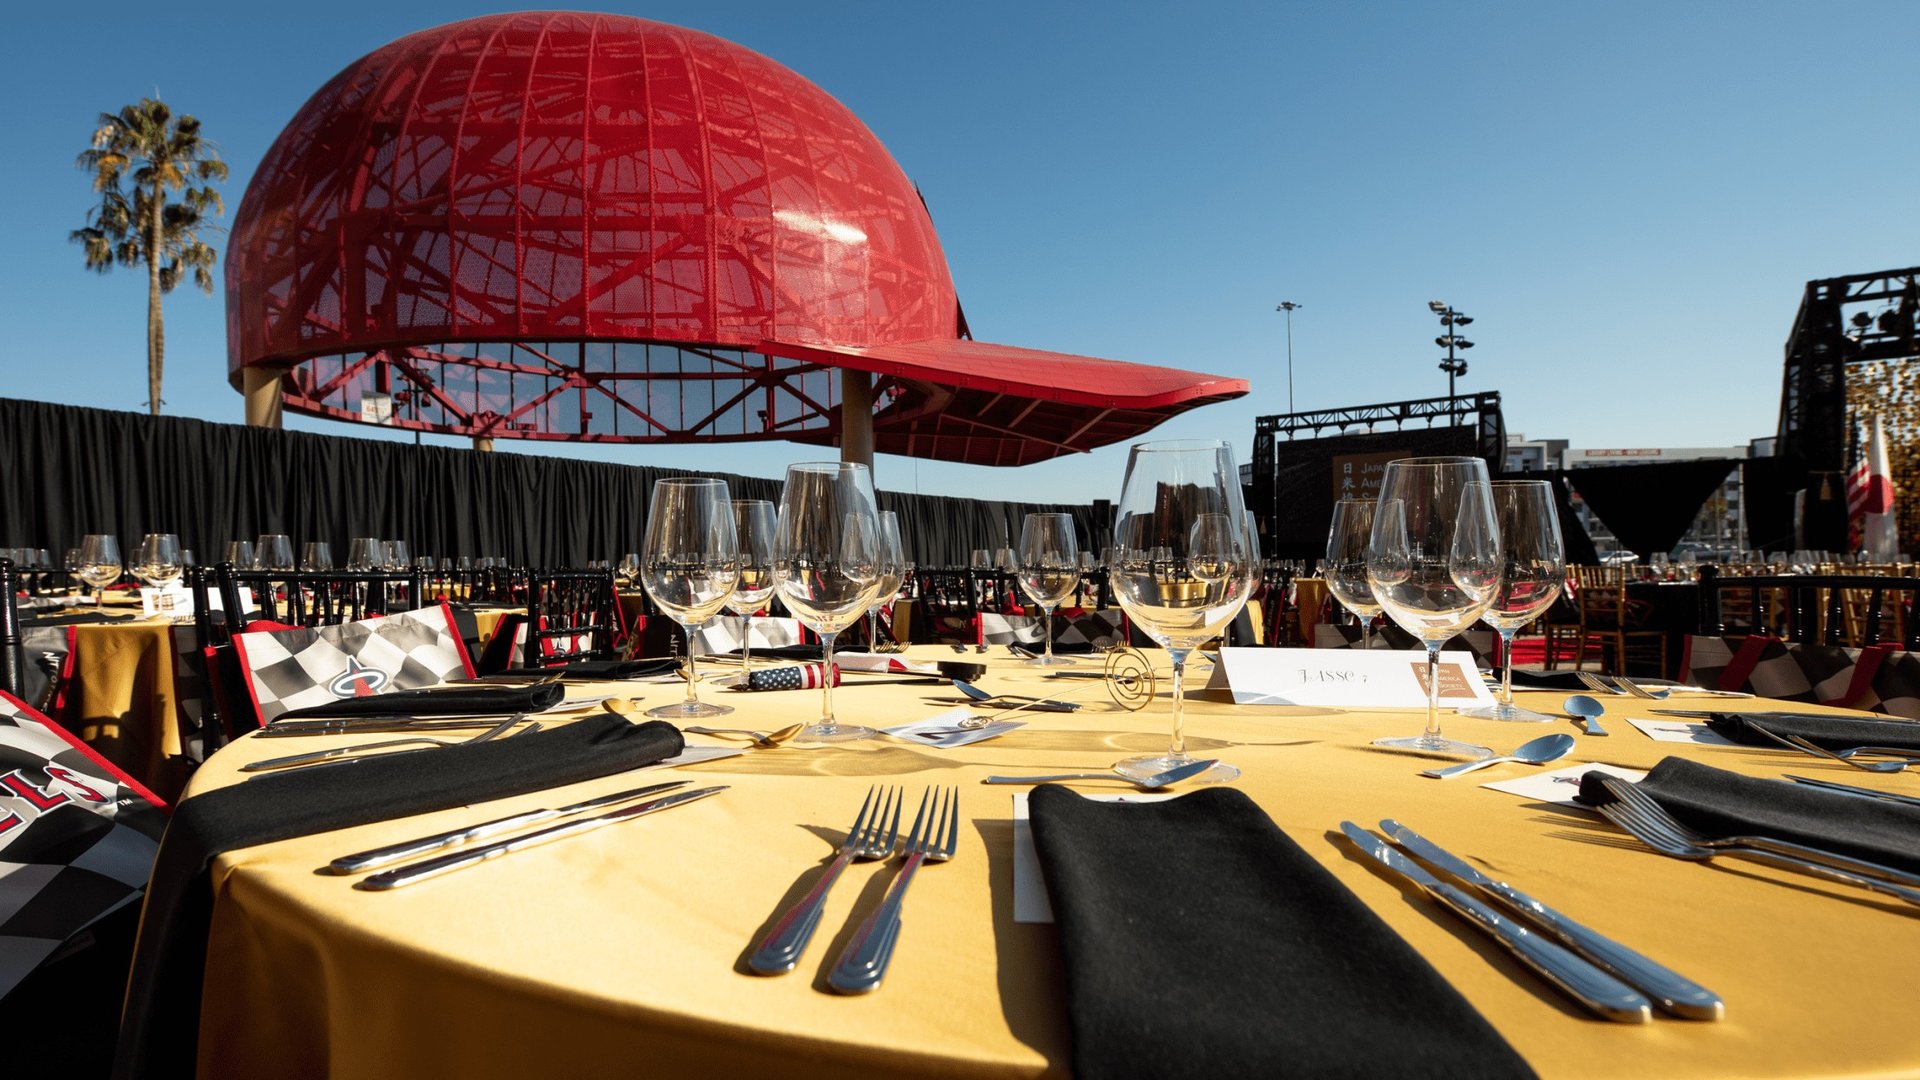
[{"x": 587, "y": 227}]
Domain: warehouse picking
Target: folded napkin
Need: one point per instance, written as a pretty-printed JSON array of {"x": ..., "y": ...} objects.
[
  {"x": 1549, "y": 680},
  {"x": 791, "y": 677},
  {"x": 1830, "y": 732},
  {"x": 1721, "y": 803},
  {"x": 456, "y": 700},
  {"x": 600, "y": 669},
  {"x": 162, "y": 1020},
  {"x": 1201, "y": 941}
]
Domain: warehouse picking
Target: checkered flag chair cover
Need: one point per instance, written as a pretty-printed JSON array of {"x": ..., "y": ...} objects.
[
  {"x": 1072, "y": 628},
  {"x": 297, "y": 668},
  {"x": 722, "y": 635},
  {"x": 1875, "y": 679},
  {"x": 77, "y": 839}
]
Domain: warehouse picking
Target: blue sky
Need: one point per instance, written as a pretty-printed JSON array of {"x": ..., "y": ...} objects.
[{"x": 1628, "y": 197}]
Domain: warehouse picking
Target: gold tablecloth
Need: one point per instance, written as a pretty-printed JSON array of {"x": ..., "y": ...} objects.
[
  {"x": 120, "y": 700},
  {"x": 621, "y": 952}
]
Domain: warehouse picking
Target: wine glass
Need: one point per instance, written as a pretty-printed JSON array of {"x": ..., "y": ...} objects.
[
  {"x": 753, "y": 526},
  {"x": 273, "y": 551},
  {"x": 365, "y": 554},
  {"x": 396, "y": 555},
  {"x": 1433, "y": 564},
  {"x": 1533, "y": 571},
  {"x": 826, "y": 555},
  {"x": 689, "y": 565},
  {"x": 71, "y": 564},
  {"x": 100, "y": 563},
  {"x": 1183, "y": 563},
  {"x": 316, "y": 557},
  {"x": 240, "y": 553},
  {"x": 1346, "y": 569},
  {"x": 1049, "y": 571},
  {"x": 893, "y": 570},
  {"x": 156, "y": 561}
]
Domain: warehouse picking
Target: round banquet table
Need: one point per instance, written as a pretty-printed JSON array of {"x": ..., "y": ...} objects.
[{"x": 622, "y": 951}]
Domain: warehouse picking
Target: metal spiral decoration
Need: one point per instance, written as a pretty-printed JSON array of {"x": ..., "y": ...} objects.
[{"x": 1130, "y": 678}]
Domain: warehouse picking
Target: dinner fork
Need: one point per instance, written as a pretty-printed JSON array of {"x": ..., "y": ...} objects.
[
  {"x": 1795, "y": 742},
  {"x": 871, "y": 837},
  {"x": 1637, "y": 813},
  {"x": 342, "y": 751},
  {"x": 1637, "y": 690},
  {"x": 1595, "y": 682},
  {"x": 864, "y": 961}
]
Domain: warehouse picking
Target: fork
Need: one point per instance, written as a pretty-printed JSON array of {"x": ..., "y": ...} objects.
[
  {"x": 1795, "y": 742},
  {"x": 1637, "y": 690},
  {"x": 342, "y": 751},
  {"x": 780, "y": 950},
  {"x": 864, "y": 961},
  {"x": 1637, "y": 813},
  {"x": 1595, "y": 682}
]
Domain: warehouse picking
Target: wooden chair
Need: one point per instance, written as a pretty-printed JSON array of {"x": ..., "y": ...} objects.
[
  {"x": 1852, "y": 610},
  {"x": 1607, "y": 623}
]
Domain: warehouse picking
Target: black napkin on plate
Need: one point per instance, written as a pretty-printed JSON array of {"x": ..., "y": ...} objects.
[
  {"x": 600, "y": 669},
  {"x": 162, "y": 1020},
  {"x": 1201, "y": 941},
  {"x": 465, "y": 699},
  {"x": 1828, "y": 732},
  {"x": 1720, "y": 803}
]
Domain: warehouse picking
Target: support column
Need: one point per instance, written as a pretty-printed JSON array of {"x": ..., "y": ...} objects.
[
  {"x": 261, "y": 386},
  {"x": 483, "y": 443},
  {"x": 856, "y": 417}
]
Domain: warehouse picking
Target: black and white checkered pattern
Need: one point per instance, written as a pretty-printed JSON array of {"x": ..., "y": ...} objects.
[
  {"x": 722, "y": 635},
  {"x": 1070, "y": 628},
  {"x": 297, "y": 668},
  {"x": 77, "y": 838},
  {"x": 1783, "y": 670}
]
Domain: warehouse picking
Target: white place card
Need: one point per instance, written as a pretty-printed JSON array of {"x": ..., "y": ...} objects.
[
  {"x": 1560, "y": 785},
  {"x": 939, "y": 730},
  {"x": 175, "y": 599},
  {"x": 1030, "y": 902},
  {"x": 1346, "y": 678},
  {"x": 1681, "y": 731}
]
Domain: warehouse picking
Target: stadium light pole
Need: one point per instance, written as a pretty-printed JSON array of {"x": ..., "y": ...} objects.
[
  {"x": 1450, "y": 321},
  {"x": 1288, "y": 306}
]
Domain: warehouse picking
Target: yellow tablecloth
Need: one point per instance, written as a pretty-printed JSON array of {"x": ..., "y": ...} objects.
[
  {"x": 621, "y": 952},
  {"x": 120, "y": 700}
]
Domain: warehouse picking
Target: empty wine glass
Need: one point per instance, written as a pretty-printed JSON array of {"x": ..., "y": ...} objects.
[
  {"x": 316, "y": 557},
  {"x": 753, "y": 526},
  {"x": 1183, "y": 563},
  {"x": 1346, "y": 569},
  {"x": 365, "y": 554},
  {"x": 241, "y": 554},
  {"x": 273, "y": 551},
  {"x": 826, "y": 564},
  {"x": 100, "y": 563},
  {"x": 893, "y": 571},
  {"x": 689, "y": 565},
  {"x": 396, "y": 556},
  {"x": 1434, "y": 566},
  {"x": 71, "y": 564},
  {"x": 1049, "y": 571},
  {"x": 1533, "y": 571},
  {"x": 156, "y": 561}
]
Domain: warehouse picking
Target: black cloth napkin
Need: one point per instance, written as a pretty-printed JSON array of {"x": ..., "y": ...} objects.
[
  {"x": 1201, "y": 941},
  {"x": 1549, "y": 680},
  {"x": 159, "y": 1032},
  {"x": 1721, "y": 803},
  {"x": 1828, "y": 732},
  {"x": 456, "y": 700},
  {"x": 599, "y": 669}
]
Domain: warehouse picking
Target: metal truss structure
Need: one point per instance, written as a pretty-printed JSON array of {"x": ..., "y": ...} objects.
[{"x": 1841, "y": 321}]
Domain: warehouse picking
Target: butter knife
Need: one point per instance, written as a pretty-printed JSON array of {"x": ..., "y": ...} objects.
[
  {"x": 406, "y": 849},
  {"x": 1671, "y": 992},
  {"x": 1605, "y": 995},
  {"x": 440, "y": 864}
]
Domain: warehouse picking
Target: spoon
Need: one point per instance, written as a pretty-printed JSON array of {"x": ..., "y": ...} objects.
[
  {"x": 627, "y": 707},
  {"x": 1150, "y": 783},
  {"x": 1533, "y": 752},
  {"x": 1587, "y": 711},
  {"x": 759, "y": 738},
  {"x": 1036, "y": 704}
]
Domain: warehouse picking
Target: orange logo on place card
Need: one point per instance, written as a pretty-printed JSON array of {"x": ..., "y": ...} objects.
[{"x": 1453, "y": 680}]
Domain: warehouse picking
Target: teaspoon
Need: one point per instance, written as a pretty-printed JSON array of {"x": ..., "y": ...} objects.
[
  {"x": 1533, "y": 752},
  {"x": 1588, "y": 711}
]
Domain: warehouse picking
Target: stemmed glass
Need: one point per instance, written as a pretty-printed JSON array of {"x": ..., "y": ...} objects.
[
  {"x": 157, "y": 560},
  {"x": 689, "y": 565},
  {"x": 1049, "y": 571},
  {"x": 1434, "y": 565},
  {"x": 316, "y": 557},
  {"x": 71, "y": 564},
  {"x": 396, "y": 556},
  {"x": 366, "y": 554},
  {"x": 1346, "y": 570},
  {"x": 826, "y": 556},
  {"x": 273, "y": 551},
  {"x": 1533, "y": 571},
  {"x": 753, "y": 525},
  {"x": 1183, "y": 563},
  {"x": 240, "y": 553},
  {"x": 893, "y": 571},
  {"x": 100, "y": 563}
]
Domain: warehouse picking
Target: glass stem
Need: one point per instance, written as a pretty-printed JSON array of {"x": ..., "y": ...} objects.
[
  {"x": 1046, "y": 628},
  {"x": 746, "y": 643},
  {"x": 826, "y": 681},
  {"x": 1433, "y": 690},
  {"x": 873, "y": 629},
  {"x": 1366, "y": 633},
  {"x": 1506, "y": 668},
  {"x": 1178, "y": 748},
  {"x": 693, "y": 676}
]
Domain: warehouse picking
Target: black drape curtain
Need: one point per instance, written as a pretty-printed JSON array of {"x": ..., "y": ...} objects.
[
  {"x": 67, "y": 471},
  {"x": 1573, "y": 535},
  {"x": 1649, "y": 507}
]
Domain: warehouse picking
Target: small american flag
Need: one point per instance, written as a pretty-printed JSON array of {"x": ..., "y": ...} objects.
[{"x": 792, "y": 677}]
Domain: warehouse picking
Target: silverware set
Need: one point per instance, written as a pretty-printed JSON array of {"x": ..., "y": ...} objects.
[
  {"x": 862, "y": 964},
  {"x": 340, "y": 753}
]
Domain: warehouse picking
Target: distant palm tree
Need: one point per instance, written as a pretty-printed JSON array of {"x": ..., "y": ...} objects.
[{"x": 140, "y": 156}]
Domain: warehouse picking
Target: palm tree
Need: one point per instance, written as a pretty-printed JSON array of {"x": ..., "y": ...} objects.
[{"x": 140, "y": 156}]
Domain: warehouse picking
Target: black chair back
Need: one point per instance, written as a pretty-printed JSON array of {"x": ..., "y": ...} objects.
[
  {"x": 571, "y": 615},
  {"x": 1815, "y": 609},
  {"x": 13, "y": 645}
]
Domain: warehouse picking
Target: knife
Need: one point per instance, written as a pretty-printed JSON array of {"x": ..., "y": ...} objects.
[
  {"x": 381, "y": 856},
  {"x": 1671, "y": 992},
  {"x": 1607, "y": 996},
  {"x": 440, "y": 864},
  {"x": 1849, "y": 789},
  {"x": 398, "y": 722}
]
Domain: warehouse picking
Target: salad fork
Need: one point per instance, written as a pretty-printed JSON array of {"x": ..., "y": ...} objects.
[
  {"x": 1795, "y": 742},
  {"x": 864, "y": 962},
  {"x": 871, "y": 837},
  {"x": 1650, "y": 823}
]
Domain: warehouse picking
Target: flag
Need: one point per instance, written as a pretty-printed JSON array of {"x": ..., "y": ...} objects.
[
  {"x": 792, "y": 677},
  {"x": 1870, "y": 496},
  {"x": 297, "y": 668}
]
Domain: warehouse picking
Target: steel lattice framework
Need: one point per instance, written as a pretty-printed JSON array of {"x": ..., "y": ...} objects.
[{"x": 592, "y": 227}]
